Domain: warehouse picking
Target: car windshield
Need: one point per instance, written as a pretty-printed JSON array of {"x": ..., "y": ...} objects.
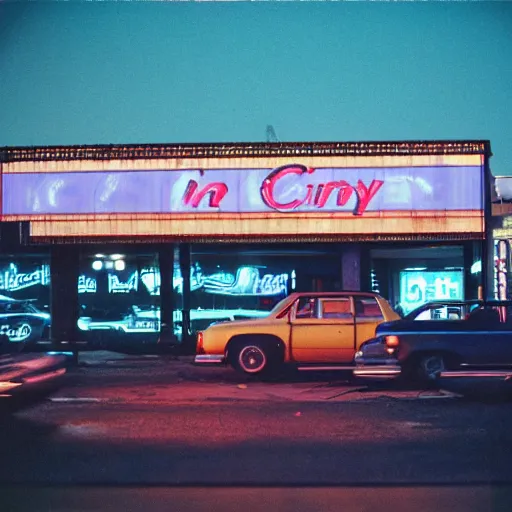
[{"x": 279, "y": 306}]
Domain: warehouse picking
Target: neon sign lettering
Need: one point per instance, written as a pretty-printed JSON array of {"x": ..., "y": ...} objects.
[
  {"x": 246, "y": 281},
  {"x": 86, "y": 284},
  {"x": 320, "y": 196},
  {"x": 316, "y": 195},
  {"x": 16, "y": 334},
  {"x": 193, "y": 196},
  {"x": 115, "y": 285},
  {"x": 11, "y": 280}
]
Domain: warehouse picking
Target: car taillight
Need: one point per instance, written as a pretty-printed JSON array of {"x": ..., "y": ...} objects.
[
  {"x": 199, "y": 346},
  {"x": 392, "y": 341}
]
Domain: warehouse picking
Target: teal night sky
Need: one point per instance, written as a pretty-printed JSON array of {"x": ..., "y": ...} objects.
[{"x": 99, "y": 73}]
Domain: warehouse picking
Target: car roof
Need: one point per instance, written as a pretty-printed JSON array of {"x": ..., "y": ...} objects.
[
  {"x": 343, "y": 293},
  {"x": 453, "y": 302}
]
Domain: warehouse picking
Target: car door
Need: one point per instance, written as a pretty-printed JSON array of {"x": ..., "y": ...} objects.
[
  {"x": 368, "y": 315},
  {"x": 323, "y": 330},
  {"x": 489, "y": 337}
]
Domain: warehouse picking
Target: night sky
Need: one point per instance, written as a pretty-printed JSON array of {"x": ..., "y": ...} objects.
[{"x": 118, "y": 72}]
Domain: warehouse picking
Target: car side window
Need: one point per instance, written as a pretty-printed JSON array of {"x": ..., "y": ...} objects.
[
  {"x": 307, "y": 308},
  {"x": 367, "y": 307},
  {"x": 442, "y": 313},
  {"x": 338, "y": 308},
  {"x": 486, "y": 318}
]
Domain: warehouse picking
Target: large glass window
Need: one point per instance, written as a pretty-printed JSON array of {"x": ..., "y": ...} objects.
[
  {"x": 418, "y": 287},
  {"x": 241, "y": 282},
  {"x": 411, "y": 276},
  {"x": 25, "y": 298},
  {"x": 119, "y": 295},
  {"x": 224, "y": 290}
]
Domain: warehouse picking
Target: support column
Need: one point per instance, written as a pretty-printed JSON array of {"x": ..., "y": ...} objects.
[
  {"x": 64, "y": 268},
  {"x": 365, "y": 269},
  {"x": 470, "y": 283},
  {"x": 167, "y": 338},
  {"x": 487, "y": 276},
  {"x": 351, "y": 267},
  {"x": 188, "y": 339}
]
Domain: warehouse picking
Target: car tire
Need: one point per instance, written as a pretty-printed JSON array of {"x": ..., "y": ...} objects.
[
  {"x": 428, "y": 367},
  {"x": 253, "y": 358}
]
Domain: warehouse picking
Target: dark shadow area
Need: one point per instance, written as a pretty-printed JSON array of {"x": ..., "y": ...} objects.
[
  {"x": 258, "y": 444},
  {"x": 399, "y": 498}
]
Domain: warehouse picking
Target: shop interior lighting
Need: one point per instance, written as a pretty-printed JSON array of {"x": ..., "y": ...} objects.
[
  {"x": 116, "y": 257},
  {"x": 417, "y": 269},
  {"x": 109, "y": 265},
  {"x": 119, "y": 265},
  {"x": 99, "y": 256},
  {"x": 97, "y": 265}
]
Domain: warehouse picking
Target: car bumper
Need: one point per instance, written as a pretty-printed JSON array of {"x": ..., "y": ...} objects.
[
  {"x": 477, "y": 374},
  {"x": 206, "y": 359},
  {"x": 377, "y": 371}
]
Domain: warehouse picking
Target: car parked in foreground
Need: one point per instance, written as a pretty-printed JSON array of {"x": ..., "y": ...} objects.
[
  {"x": 319, "y": 331},
  {"x": 479, "y": 342},
  {"x": 26, "y": 376}
]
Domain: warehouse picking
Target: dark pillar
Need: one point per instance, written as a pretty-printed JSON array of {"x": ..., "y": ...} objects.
[
  {"x": 64, "y": 267},
  {"x": 365, "y": 266},
  {"x": 487, "y": 276},
  {"x": 188, "y": 339},
  {"x": 351, "y": 267},
  {"x": 167, "y": 338},
  {"x": 470, "y": 283}
]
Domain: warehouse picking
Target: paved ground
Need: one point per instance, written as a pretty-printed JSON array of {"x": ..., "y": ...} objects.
[
  {"x": 151, "y": 421},
  {"x": 112, "y": 378}
]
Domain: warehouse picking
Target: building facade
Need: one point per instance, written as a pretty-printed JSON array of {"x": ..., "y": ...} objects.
[{"x": 128, "y": 246}]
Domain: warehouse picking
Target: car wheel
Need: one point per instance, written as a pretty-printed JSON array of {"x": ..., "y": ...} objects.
[
  {"x": 252, "y": 358},
  {"x": 430, "y": 367}
]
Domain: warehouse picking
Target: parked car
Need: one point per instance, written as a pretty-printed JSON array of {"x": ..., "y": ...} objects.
[
  {"x": 309, "y": 330},
  {"x": 27, "y": 376},
  {"x": 478, "y": 342}
]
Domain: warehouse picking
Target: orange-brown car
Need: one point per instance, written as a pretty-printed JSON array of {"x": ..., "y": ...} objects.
[{"x": 310, "y": 330}]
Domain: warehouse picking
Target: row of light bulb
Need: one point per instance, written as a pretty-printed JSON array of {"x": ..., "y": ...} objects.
[{"x": 115, "y": 262}]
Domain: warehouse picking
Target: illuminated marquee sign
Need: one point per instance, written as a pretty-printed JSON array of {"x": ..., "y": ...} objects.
[
  {"x": 249, "y": 197},
  {"x": 289, "y": 188}
]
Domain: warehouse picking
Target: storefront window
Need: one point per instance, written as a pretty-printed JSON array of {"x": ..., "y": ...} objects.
[
  {"x": 237, "y": 284},
  {"x": 409, "y": 276},
  {"x": 420, "y": 286},
  {"x": 223, "y": 290},
  {"x": 119, "y": 297},
  {"x": 25, "y": 298}
]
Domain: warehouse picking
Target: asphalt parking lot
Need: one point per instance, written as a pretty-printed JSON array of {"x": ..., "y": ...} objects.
[
  {"x": 110, "y": 377},
  {"x": 147, "y": 429}
]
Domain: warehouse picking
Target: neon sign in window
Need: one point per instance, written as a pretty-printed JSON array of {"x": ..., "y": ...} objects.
[{"x": 418, "y": 287}]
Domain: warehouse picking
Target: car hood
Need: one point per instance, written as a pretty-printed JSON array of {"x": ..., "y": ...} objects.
[{"x": 256, "y": 322}]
